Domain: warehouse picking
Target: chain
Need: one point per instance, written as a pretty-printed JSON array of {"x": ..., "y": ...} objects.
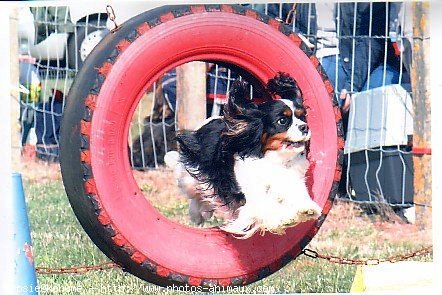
[
  {"x": 111, "y": 14},
  {"x": 291, "y": 16},
  {"x": 76, "y": 269},
  {"x": 367, "y": 261},
  {"x": 307, "y": 252}
]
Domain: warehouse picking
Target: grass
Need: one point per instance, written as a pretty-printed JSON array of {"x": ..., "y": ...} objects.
[{"x": 59, "y": 241}]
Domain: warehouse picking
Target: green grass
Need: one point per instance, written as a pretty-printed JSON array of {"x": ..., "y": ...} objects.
[{"x": 59, "y": 241}]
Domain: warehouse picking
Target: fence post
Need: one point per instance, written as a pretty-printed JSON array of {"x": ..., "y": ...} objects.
[
  {"x": 422, "y": 113},
  {"x": 191, "y": 95},
  {"x": 6, "y": 245},
  {"x": 14, "y": 64}
]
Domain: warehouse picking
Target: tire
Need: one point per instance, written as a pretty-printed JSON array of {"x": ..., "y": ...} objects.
[
  {"x": 77, "y": 51},
  {"x": 97, "y": 173}
]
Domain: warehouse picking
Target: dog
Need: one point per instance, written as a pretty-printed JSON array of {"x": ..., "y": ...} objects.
[{"x": 249, "y": 165}]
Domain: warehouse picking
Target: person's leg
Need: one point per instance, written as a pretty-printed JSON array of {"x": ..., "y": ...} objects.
[
  {"x": 169, "y": 89},
  {"x": 329, "y": 65},
  {"x": 382, "y": 76},
  {"x": 25, "y": 132},
  {"x": 26, "y": 122},
  {"x": 335, "y": 72}
]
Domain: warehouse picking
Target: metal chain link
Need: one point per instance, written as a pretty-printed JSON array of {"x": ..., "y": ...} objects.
[
  {"x": 367, "y": 261},
  {"x": 111, "y": 14},
  {"x": 76, "y": 269},
  {"x": 307, "y": 252},
  {"x": 291, "y": 15}
]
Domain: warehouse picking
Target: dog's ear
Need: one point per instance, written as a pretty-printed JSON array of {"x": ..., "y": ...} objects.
[
  {"x": 284, "y": 86},
  {"x": 240, "y": 98},
  {"x": 189, "y": 148},
  {"x": 244, "y": 122}
]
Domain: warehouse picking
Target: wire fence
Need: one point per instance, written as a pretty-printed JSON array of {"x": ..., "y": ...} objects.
[{"x": 365, "y": 49}]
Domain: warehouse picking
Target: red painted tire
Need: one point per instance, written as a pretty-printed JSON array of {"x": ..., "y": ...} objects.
[{"x": 97, "y": 173}]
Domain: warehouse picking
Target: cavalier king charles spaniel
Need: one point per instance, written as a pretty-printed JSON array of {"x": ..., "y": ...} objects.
[{"x": 249, "y": 165}]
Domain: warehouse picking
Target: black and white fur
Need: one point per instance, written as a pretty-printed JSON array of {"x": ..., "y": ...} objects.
[{"x": 249, "y": 164}]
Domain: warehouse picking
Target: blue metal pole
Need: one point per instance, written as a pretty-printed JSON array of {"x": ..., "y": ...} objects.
[{"x": 25, "y": 278}]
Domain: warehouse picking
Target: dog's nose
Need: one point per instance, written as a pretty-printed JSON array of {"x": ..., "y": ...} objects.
[{"x": 303, "y": 128}]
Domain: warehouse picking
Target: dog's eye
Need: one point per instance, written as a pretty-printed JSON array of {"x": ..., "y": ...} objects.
[{"x": 283, "y": 121}]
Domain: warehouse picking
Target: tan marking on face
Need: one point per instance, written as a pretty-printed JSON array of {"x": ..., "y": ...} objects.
[
  {"x": 264, "y": 138},
  {"x": 274, "y": 142},
  {"x": 287, "y": 112},
  {"x": 299, "y": 112}
]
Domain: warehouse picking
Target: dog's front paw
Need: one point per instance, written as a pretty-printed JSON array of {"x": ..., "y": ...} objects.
[{"x": 311, "y": 212}]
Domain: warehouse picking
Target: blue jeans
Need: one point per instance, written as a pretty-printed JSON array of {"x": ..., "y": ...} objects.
[
  {"x": 335, "y": 72},
  {"x": 391, "y": 77},
  {"x": 338, "y": 76}
]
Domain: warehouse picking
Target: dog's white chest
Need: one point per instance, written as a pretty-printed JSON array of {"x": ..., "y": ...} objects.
[
  {"x": 268, "y": 173},
  {"x": 275, "y": 192}
]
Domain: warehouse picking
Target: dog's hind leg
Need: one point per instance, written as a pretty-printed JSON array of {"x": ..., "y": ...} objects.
[{"x": 199, "y": 210}]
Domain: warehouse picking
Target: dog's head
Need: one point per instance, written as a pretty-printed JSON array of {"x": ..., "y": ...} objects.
[{"x": 277, "y": 125}]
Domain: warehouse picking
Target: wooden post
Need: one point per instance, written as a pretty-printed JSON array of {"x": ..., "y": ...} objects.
[
  {"x": 15, "y": 94},
  {"x": 422, "y": 113},
  {"x": 191, "y": 95}
]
